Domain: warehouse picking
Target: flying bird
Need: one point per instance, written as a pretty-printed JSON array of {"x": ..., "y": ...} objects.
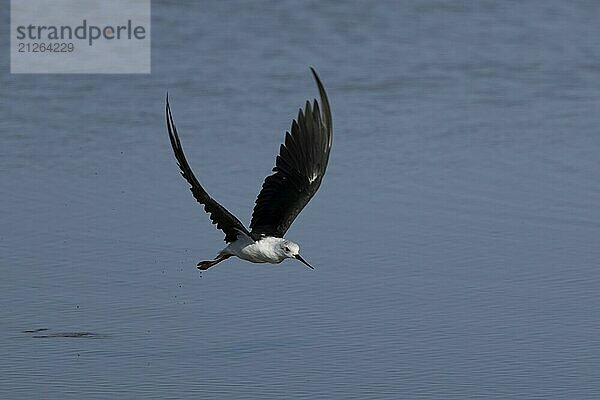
[{"x": 298, "y": 172}]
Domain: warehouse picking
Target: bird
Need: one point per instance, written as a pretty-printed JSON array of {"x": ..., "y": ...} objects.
[{"x": 297, "y": 175}]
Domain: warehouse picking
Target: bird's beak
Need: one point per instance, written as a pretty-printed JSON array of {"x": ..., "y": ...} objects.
[{"x": 303, "y": 261}]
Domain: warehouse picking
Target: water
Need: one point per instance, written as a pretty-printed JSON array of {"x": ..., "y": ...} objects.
[{"x": 456, "y": 235}]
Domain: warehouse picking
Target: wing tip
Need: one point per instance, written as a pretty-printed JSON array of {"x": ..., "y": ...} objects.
[
  {"x": 173, "y": 136},
  {"x": 325, "y": 109}
]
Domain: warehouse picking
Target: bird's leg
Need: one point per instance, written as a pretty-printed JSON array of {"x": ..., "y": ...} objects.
[{"x": 204, "y": 265}]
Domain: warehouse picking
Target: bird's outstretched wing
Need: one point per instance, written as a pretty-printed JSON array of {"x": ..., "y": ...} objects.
[
  {"x": 299, "y": 169},
  {"x": 225, "y": 221}
]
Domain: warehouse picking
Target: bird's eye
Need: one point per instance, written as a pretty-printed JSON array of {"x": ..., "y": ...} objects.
[{"x": 287, "y": 249}]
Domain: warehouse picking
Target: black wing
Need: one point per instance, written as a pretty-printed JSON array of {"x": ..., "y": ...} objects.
[
  {"x": 299, "y": 169},
  {"x": 225, "y": 221}
]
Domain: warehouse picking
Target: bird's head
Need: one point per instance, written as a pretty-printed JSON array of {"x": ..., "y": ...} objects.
[{"x": 291, "y": 250}]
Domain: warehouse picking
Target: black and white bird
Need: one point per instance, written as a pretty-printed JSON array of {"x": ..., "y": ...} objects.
[{"x": 298, "y": 171}]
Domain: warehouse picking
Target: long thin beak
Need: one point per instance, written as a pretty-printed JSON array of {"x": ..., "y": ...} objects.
[{"x": 297, "y": 257}]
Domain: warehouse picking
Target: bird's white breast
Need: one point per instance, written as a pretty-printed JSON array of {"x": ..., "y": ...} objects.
[{"x": 266, "y": 250}]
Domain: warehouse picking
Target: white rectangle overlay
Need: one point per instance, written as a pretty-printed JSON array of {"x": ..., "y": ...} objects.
[{"x": 80, "y": 36}]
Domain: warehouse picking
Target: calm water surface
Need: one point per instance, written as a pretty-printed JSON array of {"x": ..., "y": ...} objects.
[{"x": 456, "y": 235}]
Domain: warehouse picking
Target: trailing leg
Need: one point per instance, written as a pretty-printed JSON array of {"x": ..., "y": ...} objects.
[{"x": 204, "y": 265}]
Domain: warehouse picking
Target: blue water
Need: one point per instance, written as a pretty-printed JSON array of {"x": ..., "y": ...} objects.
[{"x": 456, "y": 235}]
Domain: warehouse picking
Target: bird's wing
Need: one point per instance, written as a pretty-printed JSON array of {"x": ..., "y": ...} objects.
[
  {"x": 225, "y": 221},
  {"x": 298, "y": 170}
]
